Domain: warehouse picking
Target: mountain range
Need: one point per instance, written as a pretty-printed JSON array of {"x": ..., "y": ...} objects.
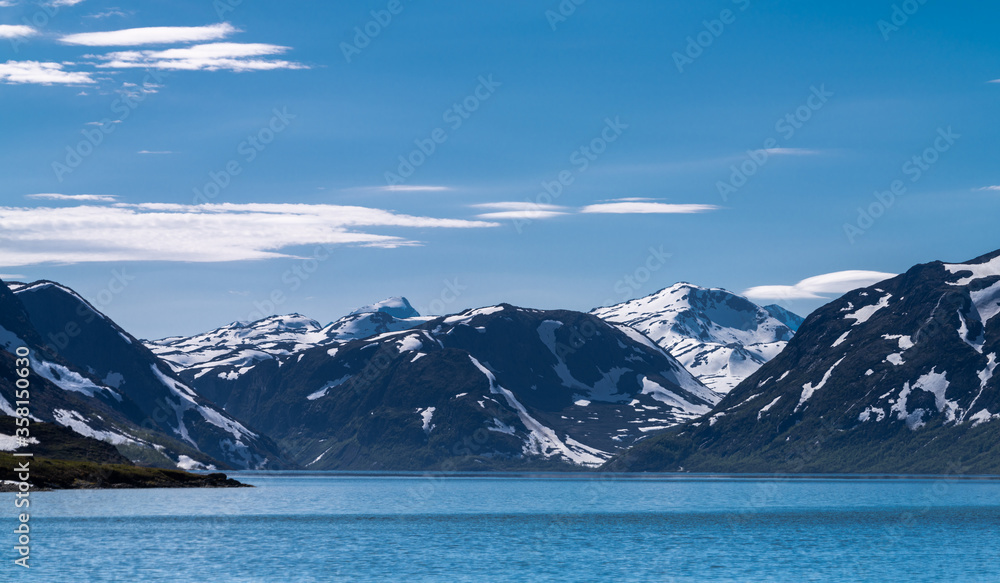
[
  {"x": 490, "y": 387},
  {"x": 896, "y": 377}
]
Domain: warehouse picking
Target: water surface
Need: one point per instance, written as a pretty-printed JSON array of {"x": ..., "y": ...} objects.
[{"x": 332, "y": 527}]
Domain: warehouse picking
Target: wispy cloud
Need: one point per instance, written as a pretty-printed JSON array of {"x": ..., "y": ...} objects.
[
  {"x": 16, "y": 31},
  {"x": 61, "y": 3},
  {"x": 109, "y": 13},
  {"x": 409, "y": 188},
  {"x": 197, "y": 233},
  {"x": 623, "y": 208},
  {"x": 154, "y": 152},
  {"x": 790, "y": 152},
  {"x": 208, "y": 57},
  {"x": 519, "y": 211},
  {"x": 38, "y": 73},
  {"x": 818, "y": 287},
  {"x": 74, "y": 197},
  {"x": 989, "y": 188},
  {"x": 10, "y": 276},
  {"x": 154, "y": 35}
]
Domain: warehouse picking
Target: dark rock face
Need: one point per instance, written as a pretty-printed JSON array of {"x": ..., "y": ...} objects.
[
  {"x": 95, "y": 378},
  {"x": 896, "y": 377}
]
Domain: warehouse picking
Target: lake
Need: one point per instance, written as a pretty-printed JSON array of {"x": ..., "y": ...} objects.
[{"x": 354, "y": 527}]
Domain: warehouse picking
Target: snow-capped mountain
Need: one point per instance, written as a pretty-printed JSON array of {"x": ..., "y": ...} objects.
[
  {"x": 897, "y": 377},
  {"x": 492, "y": 387},
  {"x": 213, "y": 360},
  {"x": 722, "y": 338},
  {"x": 101, "y": 382},
  {"x": 790, "y": 319}
]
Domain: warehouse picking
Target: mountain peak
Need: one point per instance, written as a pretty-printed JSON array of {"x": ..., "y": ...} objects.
[
  {"x": 720, "y": 336},
  {"x": 397, "y": 307},
  {"x": 790, "y": 319}
]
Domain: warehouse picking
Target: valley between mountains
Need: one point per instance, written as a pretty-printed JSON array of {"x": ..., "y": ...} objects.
[{"x": 894, "y": 378}]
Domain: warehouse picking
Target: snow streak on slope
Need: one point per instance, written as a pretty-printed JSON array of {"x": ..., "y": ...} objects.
[{"x": 541, "y": 439}]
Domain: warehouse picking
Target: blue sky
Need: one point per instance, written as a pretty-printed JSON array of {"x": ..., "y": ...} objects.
[{"x": 299, "y": 120}]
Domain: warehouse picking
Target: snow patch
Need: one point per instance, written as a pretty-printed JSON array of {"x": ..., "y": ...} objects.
[
  {"x": 426, "y": 415},
  {"x": 768, "y": 407},
  {"x": 808, "y": 389},
  {"x": 410, "y": 344},
  {"x": 186, "y": 463},
  {"x": 864, "y": 314},
  {"x": 330, "y": 385},
  {"x": 12, "y": 443}
]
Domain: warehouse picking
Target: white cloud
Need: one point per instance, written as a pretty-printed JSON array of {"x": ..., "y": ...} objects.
[
  {"x": 10, "y": 276},
  {"x": 814, "y": 288},
  {"x": 208, "y": 57},
  {"x": 16, "y": 31},
  {"x": 790, "y": 152},
  {"x": 61, "y": 3},
  {"x": 989, "y": 188},
  {"x": 620, "y": 208},
  {"x": 154, "y": 152},
  {"x": 411, "y": 188},
  {"x": 19, "y": 72},
  {"x": 110, "y": 13},
  {"x": 153, "y": 35},
  {"x": 196, "y": 233},
  {"x": 519, "y": 211},
  {"x": 76, "y": 197}
]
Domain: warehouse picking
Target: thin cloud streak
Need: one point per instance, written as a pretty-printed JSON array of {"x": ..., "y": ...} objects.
[
  {"x": 208, "y": 57},
  {"x": 196, "y": 233},
  {"x": 153, "y": 35},
  {"x": 73, "y": 197},
  {"x": 622, "y": 208}
]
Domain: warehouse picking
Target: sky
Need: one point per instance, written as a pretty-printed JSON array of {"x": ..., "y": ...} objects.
[{"x": 186, "y": 164}]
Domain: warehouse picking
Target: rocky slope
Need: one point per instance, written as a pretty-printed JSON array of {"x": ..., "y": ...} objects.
[{"x": 896, "y": 377}]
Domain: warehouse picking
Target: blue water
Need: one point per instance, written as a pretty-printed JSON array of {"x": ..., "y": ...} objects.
[{"x": 301, "y": 527}]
